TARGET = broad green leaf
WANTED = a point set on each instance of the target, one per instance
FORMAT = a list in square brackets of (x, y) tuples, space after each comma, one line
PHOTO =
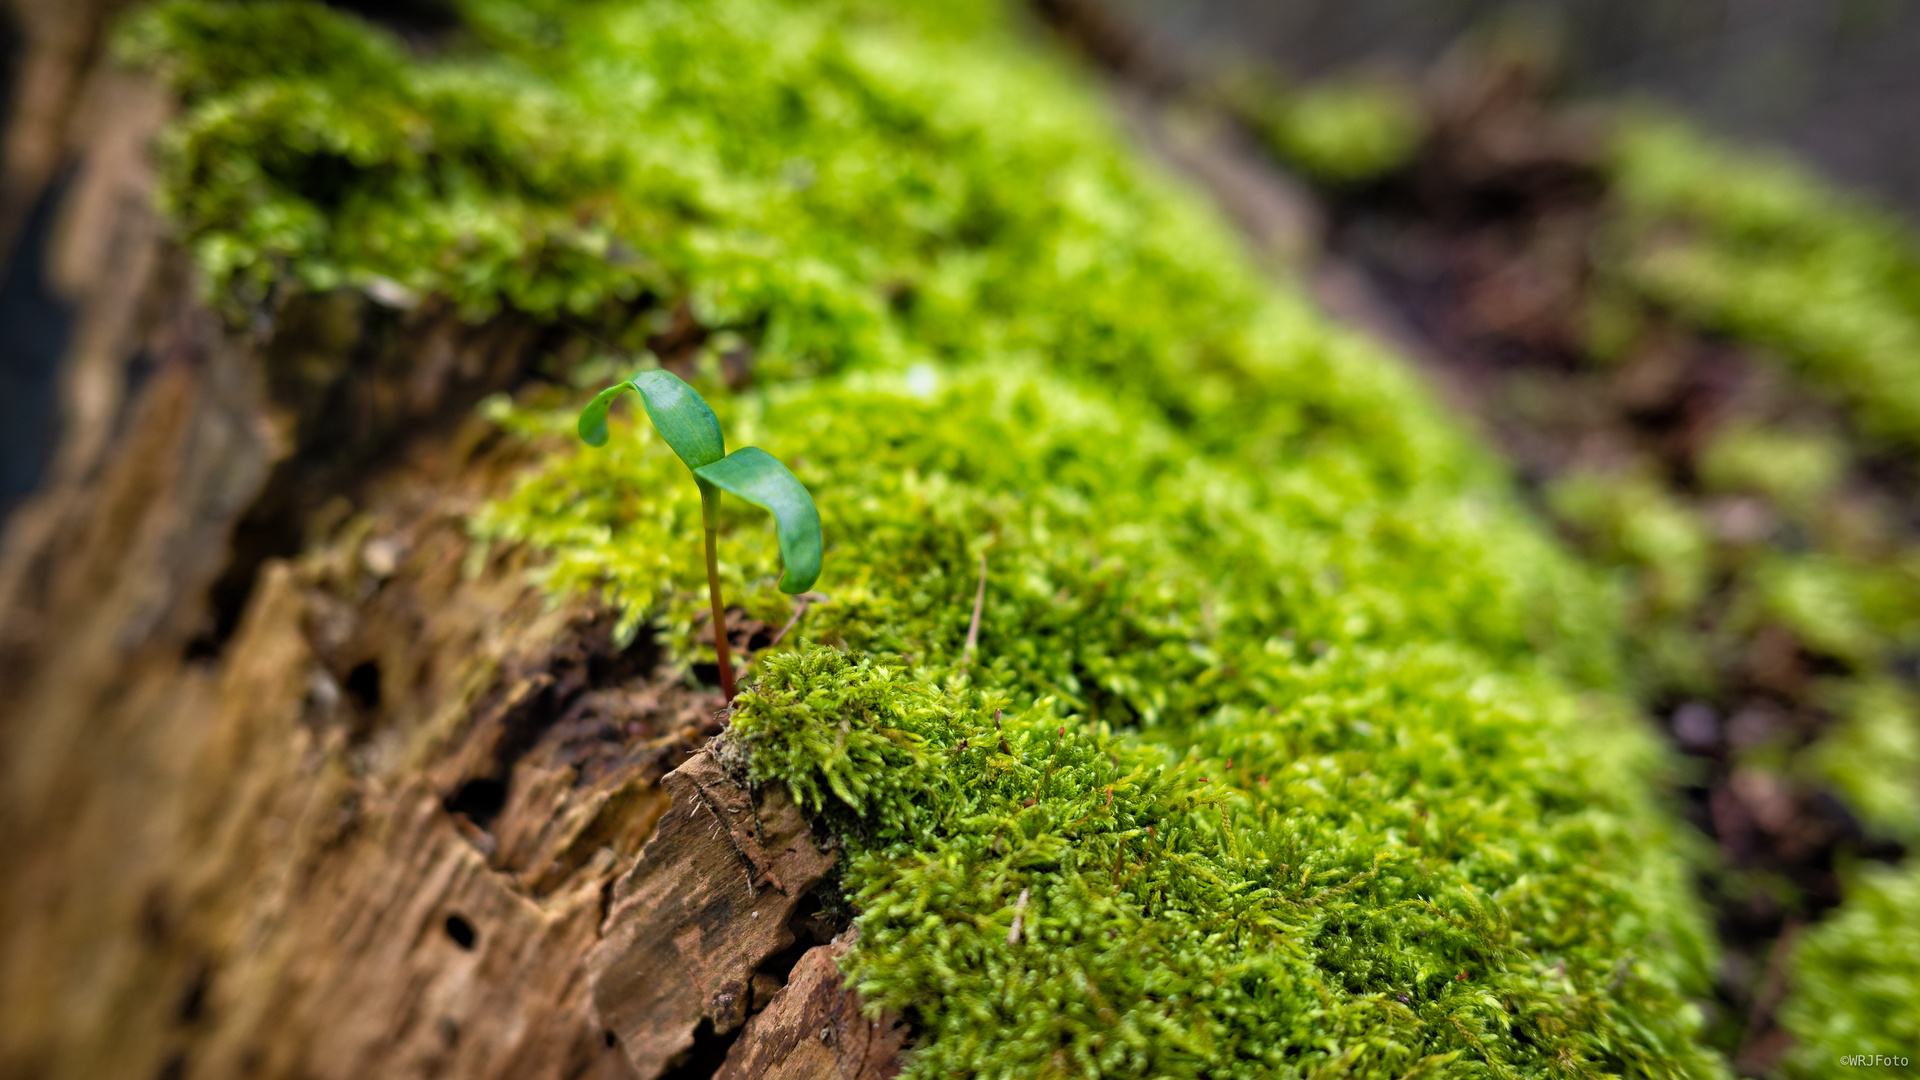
[(758, 477), (682, 417), (677, 410)]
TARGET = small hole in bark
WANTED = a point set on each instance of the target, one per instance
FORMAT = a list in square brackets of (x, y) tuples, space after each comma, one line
[(781, 964), (480, 799), (363, 684), (612, 1040), (461, 931)]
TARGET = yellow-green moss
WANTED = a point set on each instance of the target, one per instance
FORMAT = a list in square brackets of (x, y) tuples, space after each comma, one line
[(1310, 764)]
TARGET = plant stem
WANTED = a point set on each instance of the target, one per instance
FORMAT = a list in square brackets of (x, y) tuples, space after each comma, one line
[(720, 646), (710, 517)]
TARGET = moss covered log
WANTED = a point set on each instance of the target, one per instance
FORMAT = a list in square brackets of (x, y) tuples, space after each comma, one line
[(1289, 746)]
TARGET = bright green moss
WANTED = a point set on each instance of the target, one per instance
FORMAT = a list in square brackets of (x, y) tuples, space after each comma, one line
[(1341, 896), (858, 201), (1350, 654), (1225, 543), (1755, 246), (1128, 560), (1859, 988)]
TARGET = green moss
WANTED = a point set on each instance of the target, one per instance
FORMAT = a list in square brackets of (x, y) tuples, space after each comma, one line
[(1314, 726), (1755, 246), (1858, 992), (1831, 605), (1043, 896), (1873, 755), (1131, 564), (1793, 469), (1632, 520)]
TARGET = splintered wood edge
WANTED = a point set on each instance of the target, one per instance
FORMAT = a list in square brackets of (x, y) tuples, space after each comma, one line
[(705, 906), (813, 1029)]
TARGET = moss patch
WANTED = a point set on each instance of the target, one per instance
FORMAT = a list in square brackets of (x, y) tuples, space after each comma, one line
[(1043, 896), (1860, 977)]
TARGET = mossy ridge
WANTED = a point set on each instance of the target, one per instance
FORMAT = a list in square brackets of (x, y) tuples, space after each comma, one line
[(1272, 477)]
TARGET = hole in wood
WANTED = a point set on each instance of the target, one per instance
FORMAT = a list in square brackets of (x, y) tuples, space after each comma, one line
[(462, 932), (363, 684), (705, 1056), (480, 799)]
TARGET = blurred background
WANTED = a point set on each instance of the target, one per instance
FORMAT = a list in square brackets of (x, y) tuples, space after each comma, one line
[(1834, 80)]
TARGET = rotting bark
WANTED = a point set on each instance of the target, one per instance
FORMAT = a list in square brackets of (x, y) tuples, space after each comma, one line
[(294, 781), (814, 1027), (724, 858)]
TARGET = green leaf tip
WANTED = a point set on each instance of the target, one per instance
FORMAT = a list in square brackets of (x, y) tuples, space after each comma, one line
[(677, 410), (593, 418), (758, 477)]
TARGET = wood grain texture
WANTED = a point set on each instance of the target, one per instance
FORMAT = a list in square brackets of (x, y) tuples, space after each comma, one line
[(708, 904), (813, 1029)]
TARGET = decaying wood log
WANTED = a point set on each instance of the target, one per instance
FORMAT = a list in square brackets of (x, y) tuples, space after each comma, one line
[(294, 780)]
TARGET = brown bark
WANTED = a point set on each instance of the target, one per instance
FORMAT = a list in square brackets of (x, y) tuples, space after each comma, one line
[(720, 859), (815, 1027), (294, 779)]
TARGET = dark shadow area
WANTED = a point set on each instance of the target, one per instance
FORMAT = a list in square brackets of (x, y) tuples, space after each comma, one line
[(35, 326)]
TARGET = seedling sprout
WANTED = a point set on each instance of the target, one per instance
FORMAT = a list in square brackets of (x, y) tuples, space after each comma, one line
[(687, 423)]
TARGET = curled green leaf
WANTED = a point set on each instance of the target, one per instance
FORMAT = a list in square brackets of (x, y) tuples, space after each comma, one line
[(758, 477), (677, 410), (593, 418)]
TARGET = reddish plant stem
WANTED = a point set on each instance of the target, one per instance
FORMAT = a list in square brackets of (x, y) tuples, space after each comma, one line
[(720, 647)]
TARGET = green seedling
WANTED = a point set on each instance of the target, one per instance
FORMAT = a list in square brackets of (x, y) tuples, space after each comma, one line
[(684, 419)]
